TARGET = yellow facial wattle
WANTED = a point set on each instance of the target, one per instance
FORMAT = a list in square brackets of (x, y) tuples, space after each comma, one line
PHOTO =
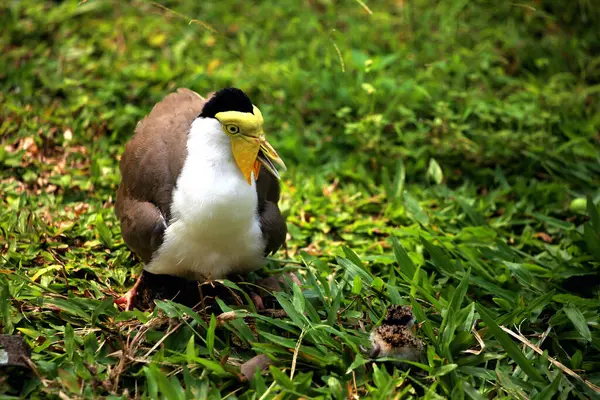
[(248, 142)]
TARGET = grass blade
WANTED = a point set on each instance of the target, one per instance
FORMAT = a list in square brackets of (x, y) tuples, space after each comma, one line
[(578, 321), (509, 346), (404, 261), (210, 335)]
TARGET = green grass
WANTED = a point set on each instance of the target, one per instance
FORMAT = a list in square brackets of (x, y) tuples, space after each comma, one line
[(444, 154)]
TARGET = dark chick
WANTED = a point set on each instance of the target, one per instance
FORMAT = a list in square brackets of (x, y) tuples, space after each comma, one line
[(394, 337)]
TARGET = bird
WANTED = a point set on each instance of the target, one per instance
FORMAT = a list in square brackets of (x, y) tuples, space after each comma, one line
[(199, 190), (394, 338)]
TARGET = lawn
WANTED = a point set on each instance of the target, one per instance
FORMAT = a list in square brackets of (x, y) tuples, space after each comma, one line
[(441, 154)]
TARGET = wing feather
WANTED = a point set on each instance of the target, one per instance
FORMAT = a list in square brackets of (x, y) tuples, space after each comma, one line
[(272, 223), (150, 166)]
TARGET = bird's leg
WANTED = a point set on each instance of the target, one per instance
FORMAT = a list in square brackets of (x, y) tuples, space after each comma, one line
[(257, 300), (276, 283), (254, 296), (127, 301)]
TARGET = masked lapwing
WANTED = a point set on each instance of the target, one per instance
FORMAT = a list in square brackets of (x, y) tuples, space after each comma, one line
[(199, 190)]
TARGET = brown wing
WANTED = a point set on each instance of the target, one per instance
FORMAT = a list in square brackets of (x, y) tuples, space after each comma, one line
[(272, 223), (150, 165)]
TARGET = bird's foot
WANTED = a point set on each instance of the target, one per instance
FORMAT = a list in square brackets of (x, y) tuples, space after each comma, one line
[(127, 301), (257, 300)]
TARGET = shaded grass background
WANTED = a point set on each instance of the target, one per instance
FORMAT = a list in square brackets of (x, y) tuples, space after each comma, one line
[(425, 140)]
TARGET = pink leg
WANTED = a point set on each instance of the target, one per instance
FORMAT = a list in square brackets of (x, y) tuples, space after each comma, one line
[(257, 300), (127, 301)]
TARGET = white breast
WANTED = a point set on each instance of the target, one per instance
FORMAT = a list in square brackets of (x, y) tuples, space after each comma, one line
[(214, 228)]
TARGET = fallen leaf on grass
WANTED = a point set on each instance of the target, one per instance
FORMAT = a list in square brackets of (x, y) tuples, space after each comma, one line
[(544, 236), (257, 363)]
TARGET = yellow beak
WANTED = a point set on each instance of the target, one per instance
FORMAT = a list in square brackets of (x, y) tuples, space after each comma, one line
[(250, 152)]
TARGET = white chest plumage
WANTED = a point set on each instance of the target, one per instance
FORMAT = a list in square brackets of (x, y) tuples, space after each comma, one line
[(214, 228)]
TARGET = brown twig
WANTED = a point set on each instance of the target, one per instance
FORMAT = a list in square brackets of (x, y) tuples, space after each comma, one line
[(197, 21), (169, 333), (295, 357), (557, 364), (479, 340)]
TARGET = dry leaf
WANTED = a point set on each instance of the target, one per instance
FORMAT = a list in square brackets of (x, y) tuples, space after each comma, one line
[(257, 363), (544, 236)]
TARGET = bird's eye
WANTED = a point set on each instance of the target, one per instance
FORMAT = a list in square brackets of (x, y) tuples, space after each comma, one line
[(233, 129)]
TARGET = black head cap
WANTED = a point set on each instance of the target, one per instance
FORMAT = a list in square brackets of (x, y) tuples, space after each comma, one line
[(229, 99), (399, 315)]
